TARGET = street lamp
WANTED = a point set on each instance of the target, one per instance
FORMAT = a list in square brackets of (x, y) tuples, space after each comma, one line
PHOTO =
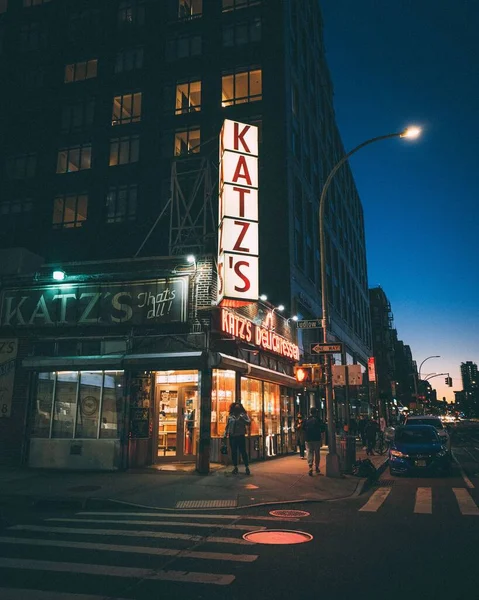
[(419, 372), (332, 459)]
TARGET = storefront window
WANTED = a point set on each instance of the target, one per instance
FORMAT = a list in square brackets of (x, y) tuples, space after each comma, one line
[(65, 404), (222, 395), (97, 392), (271, 418), (251, 398), (112, 405)]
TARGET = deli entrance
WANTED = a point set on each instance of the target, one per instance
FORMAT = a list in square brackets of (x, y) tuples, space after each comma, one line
[(176, 416)]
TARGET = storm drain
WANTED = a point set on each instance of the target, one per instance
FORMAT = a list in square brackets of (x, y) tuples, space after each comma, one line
[(278, 537), (384, 482), (289, 513), (85, 488), (206, 503)]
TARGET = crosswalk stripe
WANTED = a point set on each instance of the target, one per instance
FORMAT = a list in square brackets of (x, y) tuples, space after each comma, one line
[(423, 503), (112, 571), (181, 515), (165, 523), (376, 500), (128, 533), (467, 506), (24, 594), (154, 551)]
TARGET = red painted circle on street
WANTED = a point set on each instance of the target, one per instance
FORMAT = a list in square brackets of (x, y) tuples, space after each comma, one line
[(289, 513), (278, 536)]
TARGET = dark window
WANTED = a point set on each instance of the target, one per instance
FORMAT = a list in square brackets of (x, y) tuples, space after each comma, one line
[(124, 150), (74, 158), (3, 6), (241, 87), (126, 109), (84, 23), (190, 9), (121, 203), (29, 3), (16, 214), (78, 116), (32, 36), (131, 13), (183, 46), (81, 71), (237, 4), (129, 60), (30, 78), (21, 166), (70, 210), (239, 34)]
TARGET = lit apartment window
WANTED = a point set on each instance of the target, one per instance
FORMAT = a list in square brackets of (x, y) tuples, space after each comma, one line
[(124, 150), (129, 60), (240, 34), (81, 71), (131, 13), (187, 142), (29, 3), (188, 97), (183, 46), (190, 9), (241, 87), (236, 4), (3, 6), (78, 116), (121, 203), (126, 109), (74, 158), (70, 210), (21, 166)]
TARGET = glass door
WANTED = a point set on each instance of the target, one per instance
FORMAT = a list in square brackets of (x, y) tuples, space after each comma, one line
[(167, 401), (190, 412), (178, 421)]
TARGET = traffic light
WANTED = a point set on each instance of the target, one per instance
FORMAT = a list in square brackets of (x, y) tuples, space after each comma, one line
[(449, 383), (304, 374), (446, 380)]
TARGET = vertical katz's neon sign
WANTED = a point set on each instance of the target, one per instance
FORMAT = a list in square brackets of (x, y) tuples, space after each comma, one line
[(238, 252)]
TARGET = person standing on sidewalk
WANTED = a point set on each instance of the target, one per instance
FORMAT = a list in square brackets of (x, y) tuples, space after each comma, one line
[(370, 431), (313, 428), (238, 420), (298, 427)]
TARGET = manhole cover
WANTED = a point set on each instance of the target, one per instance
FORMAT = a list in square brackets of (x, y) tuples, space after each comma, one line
[(289, 513), (85, 488), (278, 536)]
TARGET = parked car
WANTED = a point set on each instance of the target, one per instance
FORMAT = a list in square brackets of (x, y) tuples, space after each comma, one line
[(418, 449), (434, 422)]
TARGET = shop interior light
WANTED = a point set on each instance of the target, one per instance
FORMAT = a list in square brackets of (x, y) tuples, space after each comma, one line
[(58, 275)]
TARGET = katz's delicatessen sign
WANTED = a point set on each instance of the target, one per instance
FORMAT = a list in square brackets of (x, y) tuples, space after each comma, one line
[(238, 252)]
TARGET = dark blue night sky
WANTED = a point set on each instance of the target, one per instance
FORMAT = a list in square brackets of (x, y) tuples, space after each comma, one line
[(400, 62)]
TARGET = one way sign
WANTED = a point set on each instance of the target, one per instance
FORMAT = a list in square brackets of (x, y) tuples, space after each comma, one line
[(326, 348)]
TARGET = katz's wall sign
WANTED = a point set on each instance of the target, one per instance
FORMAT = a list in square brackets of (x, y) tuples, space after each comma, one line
[(264, 338), (238, 252), (136, 303)]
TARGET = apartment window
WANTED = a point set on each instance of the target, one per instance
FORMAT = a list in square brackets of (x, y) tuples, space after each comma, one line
[(74, 158), (188, 97), (3, 6), (187, 142), (237, 4), (241, 87), (15, 213), (30, 78), (129, 60), (70, 210), (121, 203), (78, 116), (21, 166), (81, 70), (239, 34), (84, 23), (29, 3), (124, 150), (190, 9), (126, 109), (183, 46), (32, 36), (131, 13)]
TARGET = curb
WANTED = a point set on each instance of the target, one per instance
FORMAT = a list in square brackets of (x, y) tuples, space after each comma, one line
[(366, 483)]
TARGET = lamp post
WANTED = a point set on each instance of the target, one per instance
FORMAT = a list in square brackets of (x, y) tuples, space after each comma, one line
[(420, 366), (332, 459)]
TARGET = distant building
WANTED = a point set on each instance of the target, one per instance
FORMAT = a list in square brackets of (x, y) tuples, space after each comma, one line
[(470, 385)]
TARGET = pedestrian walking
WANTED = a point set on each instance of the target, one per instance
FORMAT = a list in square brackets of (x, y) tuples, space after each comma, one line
[(298, 427), (313, 428), (370, 432), (361, 430), (236, 426)]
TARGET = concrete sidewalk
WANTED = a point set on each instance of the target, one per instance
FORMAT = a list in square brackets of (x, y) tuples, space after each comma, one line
[(282, 480)]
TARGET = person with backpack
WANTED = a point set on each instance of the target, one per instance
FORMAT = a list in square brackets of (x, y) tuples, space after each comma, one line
[(238, 420), (313, 429)]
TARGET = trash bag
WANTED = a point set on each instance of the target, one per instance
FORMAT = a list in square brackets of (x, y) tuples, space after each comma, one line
[(364, 468)]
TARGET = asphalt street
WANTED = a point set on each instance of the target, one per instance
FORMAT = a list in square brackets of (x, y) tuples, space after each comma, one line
[(405, 537)]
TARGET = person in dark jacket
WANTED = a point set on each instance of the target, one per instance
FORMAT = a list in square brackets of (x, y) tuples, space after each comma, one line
[(361, 427), (313, 429), (370, 432), (298, 427), (236, 427)]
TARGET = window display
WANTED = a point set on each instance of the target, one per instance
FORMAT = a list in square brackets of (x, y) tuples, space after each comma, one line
[(222, 395), (252, 399)]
